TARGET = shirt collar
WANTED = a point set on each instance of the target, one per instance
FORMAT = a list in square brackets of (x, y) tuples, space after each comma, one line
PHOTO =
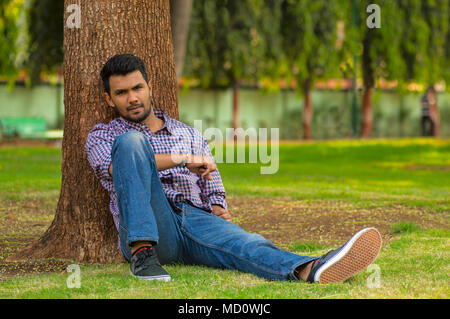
[(168, 121)]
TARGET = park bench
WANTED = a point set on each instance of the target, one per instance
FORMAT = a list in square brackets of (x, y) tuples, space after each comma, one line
[(26, 127)]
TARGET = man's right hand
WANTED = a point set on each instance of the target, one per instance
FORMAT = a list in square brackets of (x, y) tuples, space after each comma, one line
[(201, 165)]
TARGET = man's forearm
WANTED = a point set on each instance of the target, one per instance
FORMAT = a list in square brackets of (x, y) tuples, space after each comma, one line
[(166, 161)]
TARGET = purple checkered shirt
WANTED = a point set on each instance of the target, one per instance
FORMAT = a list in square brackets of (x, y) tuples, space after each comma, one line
[(179, 183)]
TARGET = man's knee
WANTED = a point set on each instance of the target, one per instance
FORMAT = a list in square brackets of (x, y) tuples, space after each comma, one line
[(131, 140), (130, 137), (132, 143)]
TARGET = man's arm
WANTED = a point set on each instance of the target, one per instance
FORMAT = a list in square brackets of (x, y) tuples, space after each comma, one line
[(213, 188), (201, 165), (98, 150)]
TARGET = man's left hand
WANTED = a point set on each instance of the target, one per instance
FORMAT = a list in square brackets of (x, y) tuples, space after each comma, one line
[(221, 212)]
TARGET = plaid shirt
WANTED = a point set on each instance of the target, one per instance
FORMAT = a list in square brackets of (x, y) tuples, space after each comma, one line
[(179, 183)]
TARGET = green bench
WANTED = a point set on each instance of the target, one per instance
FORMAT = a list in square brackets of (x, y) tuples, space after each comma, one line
[(23, 127)]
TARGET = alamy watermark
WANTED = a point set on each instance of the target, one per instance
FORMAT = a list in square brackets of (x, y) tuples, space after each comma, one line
[(374, 280), (374, 19), (256, 143), (74, 280), (73, 21)]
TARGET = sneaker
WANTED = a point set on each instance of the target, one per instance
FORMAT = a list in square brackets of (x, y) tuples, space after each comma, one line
[(145, 265), (339, 264)]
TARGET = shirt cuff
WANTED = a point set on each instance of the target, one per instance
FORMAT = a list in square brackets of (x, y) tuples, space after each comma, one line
[(216, 199)]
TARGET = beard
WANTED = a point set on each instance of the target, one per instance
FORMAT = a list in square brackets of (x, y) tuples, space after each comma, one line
[(141, 117)]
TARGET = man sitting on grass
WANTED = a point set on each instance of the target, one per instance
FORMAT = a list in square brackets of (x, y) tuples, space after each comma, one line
[(170, 206)]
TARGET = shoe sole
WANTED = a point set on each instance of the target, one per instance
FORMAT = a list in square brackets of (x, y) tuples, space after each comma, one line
[(160, 278), (356, 255)]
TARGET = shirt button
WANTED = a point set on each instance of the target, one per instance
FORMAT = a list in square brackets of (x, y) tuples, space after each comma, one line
[(176, 184)]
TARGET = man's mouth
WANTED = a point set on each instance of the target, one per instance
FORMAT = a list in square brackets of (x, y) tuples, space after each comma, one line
[(134, 108)]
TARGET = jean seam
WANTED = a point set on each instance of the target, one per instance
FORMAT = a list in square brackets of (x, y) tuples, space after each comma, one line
[(144, 238), (124, 198), (231, 253), (183, 214)]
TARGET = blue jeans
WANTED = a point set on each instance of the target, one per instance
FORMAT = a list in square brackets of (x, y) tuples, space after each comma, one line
[(187, 234)]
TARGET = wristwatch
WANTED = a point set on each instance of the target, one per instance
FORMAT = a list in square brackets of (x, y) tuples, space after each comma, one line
[(185, 159)]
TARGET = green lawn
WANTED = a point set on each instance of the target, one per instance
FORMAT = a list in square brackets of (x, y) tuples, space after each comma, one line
[(375, 174)]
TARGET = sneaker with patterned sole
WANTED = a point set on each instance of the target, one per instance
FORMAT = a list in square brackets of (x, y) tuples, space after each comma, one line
[(339, 264), (145, 265)]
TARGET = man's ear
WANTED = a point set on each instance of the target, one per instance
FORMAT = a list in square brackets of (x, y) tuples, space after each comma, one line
[(150, 87), (108, 99)]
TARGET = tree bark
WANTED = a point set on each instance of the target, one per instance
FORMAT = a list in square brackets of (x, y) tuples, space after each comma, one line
[(180, 13), (83, 228), (369, 84), (366, 119), (307, 110)]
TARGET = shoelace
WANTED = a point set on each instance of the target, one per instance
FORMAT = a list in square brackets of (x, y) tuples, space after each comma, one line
[(142, 253)]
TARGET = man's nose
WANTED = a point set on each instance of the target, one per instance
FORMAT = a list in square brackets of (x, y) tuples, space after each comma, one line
[(132, 98)]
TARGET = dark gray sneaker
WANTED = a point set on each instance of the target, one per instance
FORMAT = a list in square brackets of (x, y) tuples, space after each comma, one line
[(339, 264), (145, 265)]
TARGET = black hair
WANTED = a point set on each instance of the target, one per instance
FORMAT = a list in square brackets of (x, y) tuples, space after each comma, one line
[(122, 64)]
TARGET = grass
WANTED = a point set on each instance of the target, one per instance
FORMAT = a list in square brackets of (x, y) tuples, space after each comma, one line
[(415, 173), (405, 227), (414, 265), (368, 174)]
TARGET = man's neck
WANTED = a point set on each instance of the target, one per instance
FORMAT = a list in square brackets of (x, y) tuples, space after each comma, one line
[(153, 122)]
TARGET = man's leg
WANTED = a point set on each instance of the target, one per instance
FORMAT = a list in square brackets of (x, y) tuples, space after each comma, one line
[(145, 213), (423, 124), (215, 242)]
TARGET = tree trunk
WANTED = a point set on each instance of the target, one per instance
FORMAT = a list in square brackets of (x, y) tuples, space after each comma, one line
[(180, 13), (83, 228), (369, 83), (366, 120), (307, 110)]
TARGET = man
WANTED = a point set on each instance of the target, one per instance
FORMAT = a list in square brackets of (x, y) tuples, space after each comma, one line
[(168, 200), (430, 113)]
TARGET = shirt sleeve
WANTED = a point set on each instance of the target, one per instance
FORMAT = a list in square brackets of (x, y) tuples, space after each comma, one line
[(214, 188), (98, 148)]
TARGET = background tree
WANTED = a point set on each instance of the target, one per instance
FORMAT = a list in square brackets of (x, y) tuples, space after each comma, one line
[(224, 46), (380, 56), (436, 16), (180, 13), (9, 12), (83, 229), (309, 37), (45, 52)]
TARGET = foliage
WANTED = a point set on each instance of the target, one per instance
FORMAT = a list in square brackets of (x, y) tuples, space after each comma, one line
[(436, 14), (9, 12), (379, 51), (254, 40), (224, 43), (309, 38), (46, 37), (409, 46), (424, 36)]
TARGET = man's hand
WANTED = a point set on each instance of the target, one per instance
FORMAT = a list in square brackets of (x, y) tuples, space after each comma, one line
[(201, 165), (221, 212)]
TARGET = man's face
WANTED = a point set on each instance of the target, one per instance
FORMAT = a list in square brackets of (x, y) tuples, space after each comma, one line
[(130, 95)]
